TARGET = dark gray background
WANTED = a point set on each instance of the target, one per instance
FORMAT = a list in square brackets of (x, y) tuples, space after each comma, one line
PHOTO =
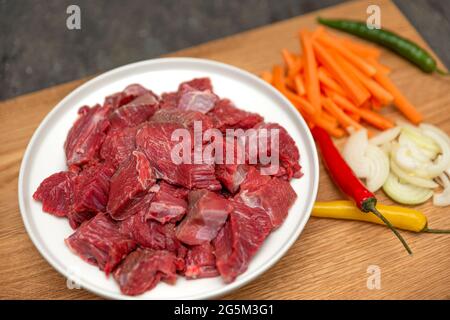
[(37, 50)]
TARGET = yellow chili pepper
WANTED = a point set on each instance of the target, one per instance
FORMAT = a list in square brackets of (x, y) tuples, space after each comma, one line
[(400, 217)]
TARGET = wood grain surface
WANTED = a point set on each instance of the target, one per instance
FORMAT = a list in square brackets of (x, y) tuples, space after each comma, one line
[(329, 260)]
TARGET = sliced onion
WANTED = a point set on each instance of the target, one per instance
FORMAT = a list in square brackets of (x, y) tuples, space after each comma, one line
[(422, 141), (414, 180), (404, 192), (405, 140), (353, 153), (442, 162), (430, 127), (443, 199), (378, 168), (385, 136)]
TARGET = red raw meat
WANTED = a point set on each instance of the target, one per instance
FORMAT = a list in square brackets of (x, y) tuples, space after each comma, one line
[(100, 243), (288, 151), (201, 262), (144, 268), (201, 84), (155, 140), (274, 195), (87, 135), (92, 188), (56, 193), (129, 184), (239, 240), (134, 112), (225, 115), (184, 118), (207, 213), (169, 203), (190, 98), (118, 146), (169, 100), (121, 98)]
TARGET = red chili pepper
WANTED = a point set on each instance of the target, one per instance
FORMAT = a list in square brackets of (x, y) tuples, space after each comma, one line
[(346, 180)]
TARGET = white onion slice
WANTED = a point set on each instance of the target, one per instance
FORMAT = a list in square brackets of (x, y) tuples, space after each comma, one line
[(354, 153), (378, 168), (385, 136), (442, 162), (443, 199), (414, 180), (404, 192)]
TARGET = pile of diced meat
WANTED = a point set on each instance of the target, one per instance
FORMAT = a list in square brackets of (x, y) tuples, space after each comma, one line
[(144, 219)]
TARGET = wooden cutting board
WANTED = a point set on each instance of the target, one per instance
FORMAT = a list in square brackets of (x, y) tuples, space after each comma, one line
[(330, 259)]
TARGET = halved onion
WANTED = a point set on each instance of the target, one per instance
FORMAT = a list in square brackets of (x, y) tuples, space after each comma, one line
[(353, 153), (404, 192), (409, 178), (378, 163), (385, 136)]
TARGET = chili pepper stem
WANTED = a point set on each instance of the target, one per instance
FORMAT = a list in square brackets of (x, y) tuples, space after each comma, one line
[(442, 72), (435, 230), (371, 207)]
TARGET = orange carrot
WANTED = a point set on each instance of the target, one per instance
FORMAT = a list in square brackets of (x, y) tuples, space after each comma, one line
[(329, 127), (369, 116), (290, 83), (311, 79), (324, 114), (400, 101), (298, 66), (326, 79), (288, 59), (352, 88), (360, 49), (300, 87), (279, 82), (376, 105), (378, 66), (343, 119), (372, 86), (357, 61), (267, 76)]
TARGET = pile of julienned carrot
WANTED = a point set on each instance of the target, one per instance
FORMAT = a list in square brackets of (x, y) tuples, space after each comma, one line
[(338, 84)]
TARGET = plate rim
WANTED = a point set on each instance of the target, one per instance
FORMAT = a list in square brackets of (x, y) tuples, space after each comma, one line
[(227, 288)]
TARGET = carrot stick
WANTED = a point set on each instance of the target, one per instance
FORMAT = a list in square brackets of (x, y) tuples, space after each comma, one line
[(267, 76), (288, 59), (326, 79), (360, 49), (290, 83), (300, 87), (297, 68), (400, 101), (374, 88), (311, 79), (378, 66), (369, 116), (343, 119), (352, 89), (357, 61), (376, 105), (329, 118), (329, 127), (279, 82)]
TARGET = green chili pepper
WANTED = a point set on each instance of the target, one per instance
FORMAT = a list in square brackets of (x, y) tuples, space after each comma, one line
[(403, 47)]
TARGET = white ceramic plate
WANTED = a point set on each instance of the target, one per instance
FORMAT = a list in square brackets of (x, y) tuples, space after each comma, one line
[(45, 155)]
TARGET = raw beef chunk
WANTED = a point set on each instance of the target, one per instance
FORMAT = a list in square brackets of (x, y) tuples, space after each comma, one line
[(144, 268), (190, 98), (56, 193), (240, 238), (207, 213), (100, 243), (152, 234), (134, 112), (118, 146), (200, 262), (225, 115), (274, 195), (129, 184), (184, 118), (92, 188), (169, 100), (168, 205), (155, 140), (201, 84), (288, 152), (131, 92), (87, 135)]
